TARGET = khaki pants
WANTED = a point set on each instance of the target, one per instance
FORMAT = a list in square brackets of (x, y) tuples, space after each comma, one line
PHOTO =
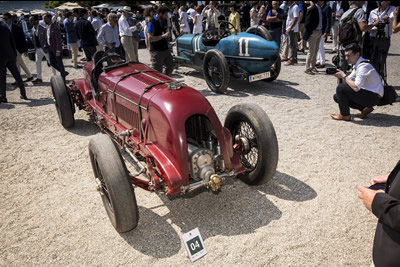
[(136, 48), (127, 43), (313, 45), (290, 48), (21, 64), (302, 43), (75, 51)]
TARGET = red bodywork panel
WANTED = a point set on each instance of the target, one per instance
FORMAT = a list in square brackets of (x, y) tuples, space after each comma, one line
[(164, 113)]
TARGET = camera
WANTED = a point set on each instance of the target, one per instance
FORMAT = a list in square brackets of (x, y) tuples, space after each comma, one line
[(331, 71)]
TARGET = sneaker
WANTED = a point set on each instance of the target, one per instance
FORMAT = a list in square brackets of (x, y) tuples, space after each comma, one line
[(29, 79), (284, 59), (24, 97)]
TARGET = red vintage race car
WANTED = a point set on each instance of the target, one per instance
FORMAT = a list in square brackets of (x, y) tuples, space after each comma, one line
[(167, 132)]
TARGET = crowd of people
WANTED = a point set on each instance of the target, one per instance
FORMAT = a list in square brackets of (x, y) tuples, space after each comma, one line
[(360, 31)]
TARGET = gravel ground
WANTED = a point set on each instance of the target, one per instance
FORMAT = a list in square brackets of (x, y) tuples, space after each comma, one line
[(309, 214)]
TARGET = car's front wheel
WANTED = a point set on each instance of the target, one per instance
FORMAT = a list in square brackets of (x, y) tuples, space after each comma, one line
[(113, 183), (216, 71), (254, 135)]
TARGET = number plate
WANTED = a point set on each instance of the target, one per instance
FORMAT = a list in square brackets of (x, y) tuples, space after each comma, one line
[(260, 76), (194, 244)]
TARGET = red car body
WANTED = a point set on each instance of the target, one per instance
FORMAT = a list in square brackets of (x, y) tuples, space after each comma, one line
[(164, 113)]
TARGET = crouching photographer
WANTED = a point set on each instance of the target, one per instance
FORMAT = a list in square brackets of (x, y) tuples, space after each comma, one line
[(361, 90)]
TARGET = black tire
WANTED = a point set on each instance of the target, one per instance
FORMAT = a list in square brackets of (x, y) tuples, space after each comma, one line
[(275, 70), (250, 121), (63, 102), (118, 195), (260, 31), (216, 71)]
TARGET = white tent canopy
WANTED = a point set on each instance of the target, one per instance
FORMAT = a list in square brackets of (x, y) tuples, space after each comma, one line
[(68, 5)]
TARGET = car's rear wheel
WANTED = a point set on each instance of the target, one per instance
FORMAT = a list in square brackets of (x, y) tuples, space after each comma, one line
[(216, 71), (275, 70), (63, 103), (253, 131), (113, 183)]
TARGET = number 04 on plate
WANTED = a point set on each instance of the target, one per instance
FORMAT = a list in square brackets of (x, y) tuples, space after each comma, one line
[(194, 244)]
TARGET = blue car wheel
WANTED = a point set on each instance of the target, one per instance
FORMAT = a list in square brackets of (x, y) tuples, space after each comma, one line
[(216, 71)]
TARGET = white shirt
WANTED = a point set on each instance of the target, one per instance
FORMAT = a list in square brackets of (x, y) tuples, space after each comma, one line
[(254, 21), (339, 9), (366, 77), (124, 29), (96, 23), (198, 26), (184, 20), (292, 14), (375, 14), (191, 13)]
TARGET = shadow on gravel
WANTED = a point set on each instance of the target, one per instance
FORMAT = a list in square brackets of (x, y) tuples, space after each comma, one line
[(35, 102), (287, 187), (84, 128), (277, 88), (238, 210), (379, 120), (241, 88), (6, 106)]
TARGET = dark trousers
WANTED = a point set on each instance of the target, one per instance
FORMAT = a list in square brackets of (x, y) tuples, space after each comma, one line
[(276, 35), (190, 21), (347, 98), (89, 52), (57, 62), (379, 53), (12, 67), (292, 42), (161, 58)]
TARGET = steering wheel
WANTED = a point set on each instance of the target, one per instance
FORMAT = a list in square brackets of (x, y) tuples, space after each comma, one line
[(110, 59), (227, 31)]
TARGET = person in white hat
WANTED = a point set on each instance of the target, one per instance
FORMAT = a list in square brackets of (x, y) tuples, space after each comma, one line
[(125, 31)]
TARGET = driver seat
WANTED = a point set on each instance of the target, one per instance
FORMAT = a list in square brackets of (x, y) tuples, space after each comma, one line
[(97, 70), (211, 37)]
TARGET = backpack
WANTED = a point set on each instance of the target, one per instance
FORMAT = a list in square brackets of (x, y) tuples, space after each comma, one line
[(349, 31), (389, 93)]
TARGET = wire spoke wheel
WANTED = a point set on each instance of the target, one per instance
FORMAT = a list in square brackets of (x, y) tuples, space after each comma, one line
[(253, 131), (249, 158)]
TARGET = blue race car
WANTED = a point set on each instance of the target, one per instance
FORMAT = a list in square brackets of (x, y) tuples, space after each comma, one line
[(251, 55)]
